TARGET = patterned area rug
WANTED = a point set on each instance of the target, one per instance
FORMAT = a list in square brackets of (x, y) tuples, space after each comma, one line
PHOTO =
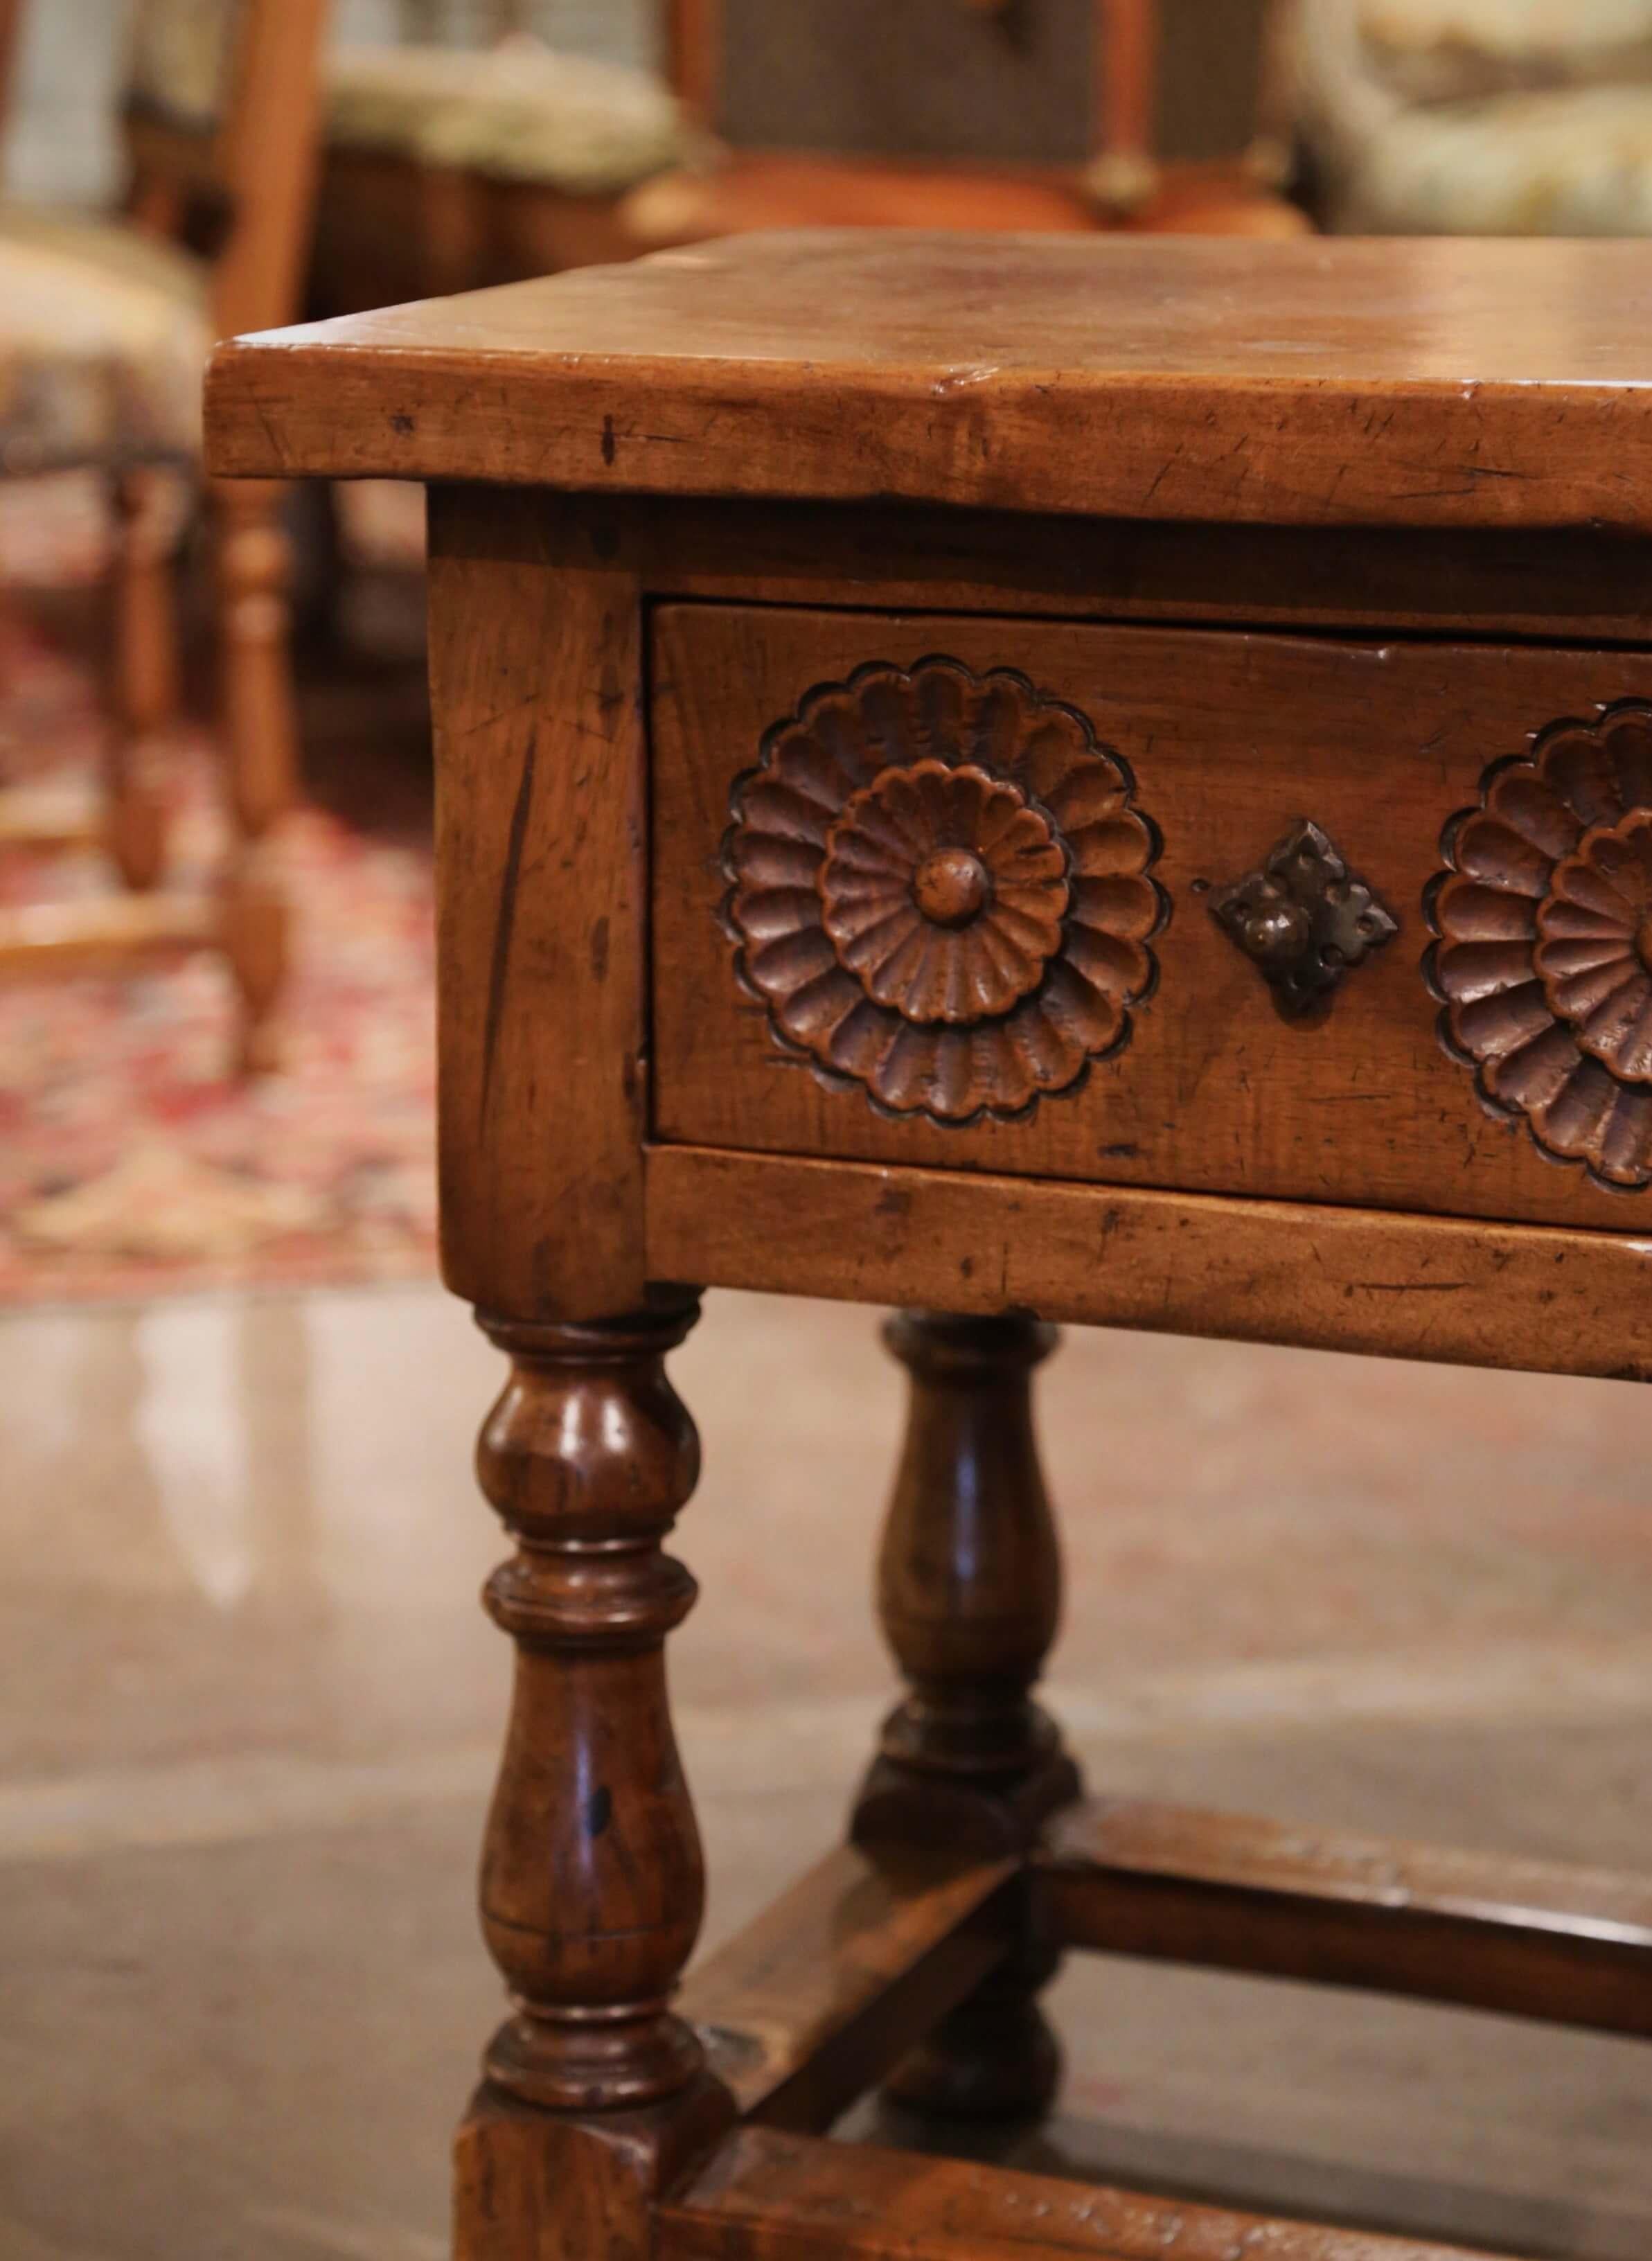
[(131, 1161)]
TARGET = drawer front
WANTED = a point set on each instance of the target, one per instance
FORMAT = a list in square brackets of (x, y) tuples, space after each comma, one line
[(1035, 898)]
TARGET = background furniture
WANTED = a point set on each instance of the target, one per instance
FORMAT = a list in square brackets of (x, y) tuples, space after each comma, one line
[(969, 777), (455, 159), (104, 328), (1472, 118), (968, 113), (446, 169)]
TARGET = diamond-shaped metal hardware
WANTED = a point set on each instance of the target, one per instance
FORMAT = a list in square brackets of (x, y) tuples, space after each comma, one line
[(1304, 920)]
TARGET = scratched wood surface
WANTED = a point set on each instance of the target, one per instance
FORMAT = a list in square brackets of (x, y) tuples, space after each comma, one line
[(534, 669), (1230, 739), (770, 2196), (833, 1983), (1573, 587), (1527, 1938), (1421, 383), (1281, 1271)]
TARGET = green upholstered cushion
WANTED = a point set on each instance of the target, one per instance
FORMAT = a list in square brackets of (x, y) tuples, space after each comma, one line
[(1463, 50), (103, 337), (520, 111), (182, 56), (1479, 117)]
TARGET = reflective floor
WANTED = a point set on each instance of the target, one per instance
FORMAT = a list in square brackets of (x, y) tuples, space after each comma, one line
[(248, 1712)]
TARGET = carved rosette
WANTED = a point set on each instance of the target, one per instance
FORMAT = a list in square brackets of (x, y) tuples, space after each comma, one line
[(939, 887), (1544, 955)]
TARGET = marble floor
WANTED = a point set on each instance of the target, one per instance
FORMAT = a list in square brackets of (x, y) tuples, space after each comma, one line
[(248, 1712)]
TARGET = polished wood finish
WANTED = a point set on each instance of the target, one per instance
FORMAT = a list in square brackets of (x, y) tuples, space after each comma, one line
[(641, 603), (969, 1596), (245, 182), (836, 1982), (1104, 379), (1324, 1278), (535, 663), (591, 1878), (768, 2197), (1194, 1079), (588, 1456), (1529, 1938), (1569, 586)]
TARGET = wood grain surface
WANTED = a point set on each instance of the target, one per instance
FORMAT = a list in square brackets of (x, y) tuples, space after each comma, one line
[(535, 665), (1532, 1938), (1424, 382), (767, 2197), (1335, 1279), (1230, 739), (813, 2001)]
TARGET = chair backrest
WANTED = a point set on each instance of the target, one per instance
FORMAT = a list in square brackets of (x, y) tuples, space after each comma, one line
[(221, 124), (1057, 81)]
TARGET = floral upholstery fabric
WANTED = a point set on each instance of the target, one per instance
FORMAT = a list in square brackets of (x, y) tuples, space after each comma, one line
[(182, 54), (520, 111), (103, 337), (1479, 117)]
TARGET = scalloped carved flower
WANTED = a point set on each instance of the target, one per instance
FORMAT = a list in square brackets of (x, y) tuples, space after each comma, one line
[(940, 888), (1544, 957)]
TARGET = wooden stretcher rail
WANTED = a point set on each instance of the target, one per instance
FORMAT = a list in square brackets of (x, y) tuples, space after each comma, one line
[(768, 2197), (1538, 1297), (47, 816), (95, 933), (811, 2005), (1529, 1938)]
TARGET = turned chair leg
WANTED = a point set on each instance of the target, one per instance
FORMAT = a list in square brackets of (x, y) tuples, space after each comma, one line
[(260, 731), (143, 700), (969, 1598), (591, 1878)]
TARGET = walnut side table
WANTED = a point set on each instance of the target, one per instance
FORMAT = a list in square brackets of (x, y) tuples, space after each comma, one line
[(1035, 780)]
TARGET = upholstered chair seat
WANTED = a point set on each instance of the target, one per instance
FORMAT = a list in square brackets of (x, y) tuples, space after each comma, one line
[(1480, 116), (518, 111), (104, 338)]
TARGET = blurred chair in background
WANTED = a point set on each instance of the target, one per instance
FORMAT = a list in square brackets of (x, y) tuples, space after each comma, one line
[(969, 113), (478, 151), (1477, 117), (450, 169), (104, 330)]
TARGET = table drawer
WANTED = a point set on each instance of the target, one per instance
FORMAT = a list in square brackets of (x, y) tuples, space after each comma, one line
[(968, 894)]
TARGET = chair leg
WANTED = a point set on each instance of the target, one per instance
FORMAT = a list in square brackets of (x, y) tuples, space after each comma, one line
[(260, 724), (969, 1596), (143, 700)]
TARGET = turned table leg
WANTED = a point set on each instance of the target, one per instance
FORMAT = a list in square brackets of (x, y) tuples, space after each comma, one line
[(969, 1598), (591, 1878)]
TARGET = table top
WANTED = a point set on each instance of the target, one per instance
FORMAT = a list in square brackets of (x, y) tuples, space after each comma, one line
[(1417, 382)]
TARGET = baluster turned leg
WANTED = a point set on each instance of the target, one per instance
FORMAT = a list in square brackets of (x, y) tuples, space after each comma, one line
[(969, 1596), (261, 733), (591, 1878)]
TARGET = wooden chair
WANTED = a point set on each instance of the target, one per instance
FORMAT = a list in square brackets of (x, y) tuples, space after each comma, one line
[(1047, 114), (104, 328)]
